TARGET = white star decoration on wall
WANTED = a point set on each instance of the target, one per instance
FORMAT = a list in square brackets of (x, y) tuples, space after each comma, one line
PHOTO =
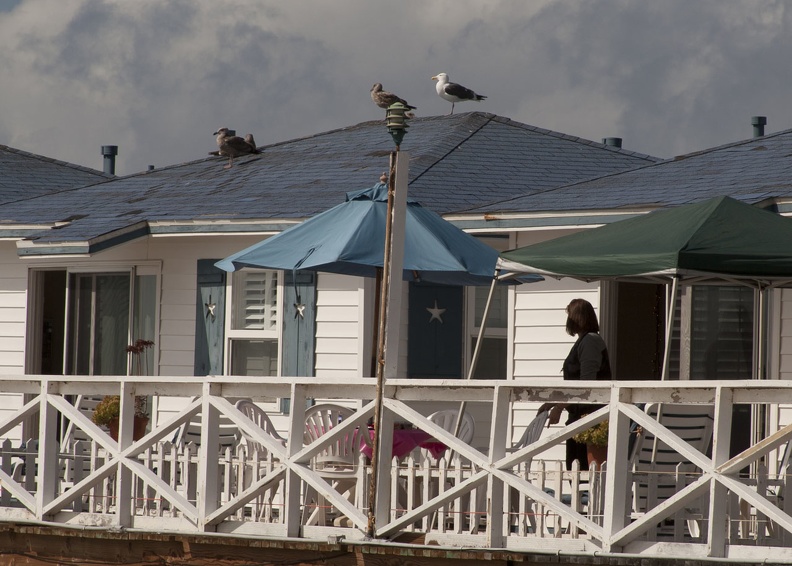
[(210, 308), (299, 310), (436, 313)]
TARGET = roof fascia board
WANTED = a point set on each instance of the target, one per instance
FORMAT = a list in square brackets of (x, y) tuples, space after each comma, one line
[(522, 223)]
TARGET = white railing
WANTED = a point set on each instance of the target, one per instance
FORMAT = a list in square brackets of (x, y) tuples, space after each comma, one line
[(486, 496)]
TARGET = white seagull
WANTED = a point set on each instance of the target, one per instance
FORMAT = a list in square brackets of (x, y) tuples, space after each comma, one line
[(233, 146), (453, 92)]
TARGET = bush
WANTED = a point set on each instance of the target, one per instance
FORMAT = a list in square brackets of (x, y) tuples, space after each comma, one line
[(596, 435), (109, 408)]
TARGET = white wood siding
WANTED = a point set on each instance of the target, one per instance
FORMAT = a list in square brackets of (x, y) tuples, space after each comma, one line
[(339, 323), (13, 304)]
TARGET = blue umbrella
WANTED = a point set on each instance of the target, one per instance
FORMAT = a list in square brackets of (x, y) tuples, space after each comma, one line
[(349, 239)]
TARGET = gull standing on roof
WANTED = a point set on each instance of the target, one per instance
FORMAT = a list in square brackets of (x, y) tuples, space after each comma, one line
[(233, 146), (383, 98), (453, 92)]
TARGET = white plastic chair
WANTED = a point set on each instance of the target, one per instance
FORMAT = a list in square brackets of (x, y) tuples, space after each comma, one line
[(658, 469), (447, 420), (262, 420), (530, 435), (339, 461)]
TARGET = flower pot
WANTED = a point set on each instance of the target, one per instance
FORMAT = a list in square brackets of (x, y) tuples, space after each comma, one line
[(596, 454), (138, 429)]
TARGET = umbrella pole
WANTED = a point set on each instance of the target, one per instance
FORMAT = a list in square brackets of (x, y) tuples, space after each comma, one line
[(670, 310), (389, 311)]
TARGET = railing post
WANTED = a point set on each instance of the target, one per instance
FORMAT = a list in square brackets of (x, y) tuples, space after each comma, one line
[(48, 465), (717, 529), (384, 461), (208, 453), (124, 479), (499, 434), (292, 510), (617, 491)]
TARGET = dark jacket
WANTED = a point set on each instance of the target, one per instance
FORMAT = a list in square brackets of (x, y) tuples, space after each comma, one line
[(587, 360)]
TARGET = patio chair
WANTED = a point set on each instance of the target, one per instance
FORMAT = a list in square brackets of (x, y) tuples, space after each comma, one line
[(521, 506), (447, 420), (259, 458), (340, 462), (659, 471), (262, 420), (71, 433)]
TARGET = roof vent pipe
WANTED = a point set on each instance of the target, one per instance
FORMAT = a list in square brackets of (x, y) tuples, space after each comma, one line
[(758, 123), (613, 142), (109, 152)]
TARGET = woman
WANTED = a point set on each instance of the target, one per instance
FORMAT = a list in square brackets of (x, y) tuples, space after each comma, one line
[(587, 360)]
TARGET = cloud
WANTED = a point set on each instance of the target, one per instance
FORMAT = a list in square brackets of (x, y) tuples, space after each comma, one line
[(157, 78)]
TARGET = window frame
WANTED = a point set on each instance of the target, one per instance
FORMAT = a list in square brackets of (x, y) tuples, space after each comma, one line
[(237, 335)]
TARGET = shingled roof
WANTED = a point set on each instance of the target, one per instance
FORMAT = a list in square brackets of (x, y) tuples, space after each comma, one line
[(753, 170), (456, 162), (24, 175)]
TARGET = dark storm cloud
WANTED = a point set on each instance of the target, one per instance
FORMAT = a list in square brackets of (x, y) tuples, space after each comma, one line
[(156, 78)]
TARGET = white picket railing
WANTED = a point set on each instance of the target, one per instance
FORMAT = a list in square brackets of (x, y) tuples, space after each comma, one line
[(486, 496)]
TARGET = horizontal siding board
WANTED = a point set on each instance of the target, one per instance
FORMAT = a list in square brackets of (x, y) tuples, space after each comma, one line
[(336, 329), (533, 368), (185, 312), (178, 342), (173, 327), (540, 335), (336, 346), (178, 297), (12, 344), (336, 362), (13, 284), (181, 281), (176, 359), (541, 351), (337, 314), (12, 328), (12, 300), (335, 297)]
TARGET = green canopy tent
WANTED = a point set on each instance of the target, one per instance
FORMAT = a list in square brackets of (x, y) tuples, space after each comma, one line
[(717, 240)]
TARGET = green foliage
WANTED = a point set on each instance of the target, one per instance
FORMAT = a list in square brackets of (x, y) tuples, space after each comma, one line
[(596, 435), (109, 408)]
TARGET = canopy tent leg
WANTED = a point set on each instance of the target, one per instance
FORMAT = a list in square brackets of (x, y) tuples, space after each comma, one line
[(477, 349), (670, 311)]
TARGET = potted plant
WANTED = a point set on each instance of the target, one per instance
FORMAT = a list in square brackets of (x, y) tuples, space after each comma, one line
[(108, 410), (596, 441)]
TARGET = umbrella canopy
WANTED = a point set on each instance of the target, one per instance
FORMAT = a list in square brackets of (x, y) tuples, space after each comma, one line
[(349, 239), (720, 238)]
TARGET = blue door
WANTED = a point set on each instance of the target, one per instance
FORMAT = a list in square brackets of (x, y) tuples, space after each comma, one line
[(435, 331), (209, 318)]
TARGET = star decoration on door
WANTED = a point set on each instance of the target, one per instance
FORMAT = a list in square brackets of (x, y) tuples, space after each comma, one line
[(437, 313), (210, 308), (299, 310)]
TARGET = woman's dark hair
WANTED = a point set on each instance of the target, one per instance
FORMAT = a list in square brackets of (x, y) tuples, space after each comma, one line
[(581, 317)]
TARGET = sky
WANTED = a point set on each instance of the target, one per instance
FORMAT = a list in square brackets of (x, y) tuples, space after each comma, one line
[(158, 77)]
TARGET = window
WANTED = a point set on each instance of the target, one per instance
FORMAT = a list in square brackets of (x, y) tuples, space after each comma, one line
[(722, 326), (254, 332), (82, 322), (492, 362)]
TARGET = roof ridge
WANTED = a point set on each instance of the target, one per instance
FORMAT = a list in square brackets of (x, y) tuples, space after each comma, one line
[(487, 119), (568, 137), (706, 151), (24, 153), (728, 145)]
